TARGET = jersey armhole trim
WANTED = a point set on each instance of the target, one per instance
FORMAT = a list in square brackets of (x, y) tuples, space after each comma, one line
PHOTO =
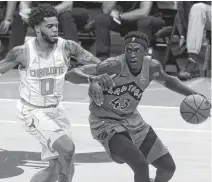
[(27, 56), (67, 62)]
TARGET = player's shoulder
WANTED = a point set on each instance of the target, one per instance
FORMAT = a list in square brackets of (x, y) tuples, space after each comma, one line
[(111, 65), (70, 43), (113, 61), (18, 51)]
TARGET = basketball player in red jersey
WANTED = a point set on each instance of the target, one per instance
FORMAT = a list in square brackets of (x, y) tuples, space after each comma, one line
[(43, 62), (114, 119)]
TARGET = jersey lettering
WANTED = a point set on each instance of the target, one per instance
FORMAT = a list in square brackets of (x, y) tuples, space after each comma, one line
[(130, 88), (47, 86)]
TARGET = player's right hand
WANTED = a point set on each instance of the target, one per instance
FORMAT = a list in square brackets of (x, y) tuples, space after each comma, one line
[(96, 93), (105, 81)]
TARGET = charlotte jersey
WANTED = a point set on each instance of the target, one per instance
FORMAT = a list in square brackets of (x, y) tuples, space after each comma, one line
[(122, 100), (41, 82)]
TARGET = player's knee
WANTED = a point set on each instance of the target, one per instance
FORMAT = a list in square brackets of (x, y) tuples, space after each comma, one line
[(65, 147), (165, 164), (169, 167), (69, 152), (198, 8)]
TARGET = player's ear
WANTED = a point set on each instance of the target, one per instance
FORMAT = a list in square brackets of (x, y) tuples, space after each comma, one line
[(37, 29), (146, 51)]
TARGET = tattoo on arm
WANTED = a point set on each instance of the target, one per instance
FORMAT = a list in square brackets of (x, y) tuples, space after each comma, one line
[(11, 59), (109, 66), (83, 56)]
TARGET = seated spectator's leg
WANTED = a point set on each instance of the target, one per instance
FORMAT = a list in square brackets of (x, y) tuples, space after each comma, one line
[(68, 26), (150, 25), (103, 24), (18, 33), (80, 16), (144, 25), (199, 20), (2, 14)]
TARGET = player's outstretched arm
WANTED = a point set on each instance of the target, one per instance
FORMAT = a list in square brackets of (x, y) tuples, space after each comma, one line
[(158, 74), (103, 73), (97, 75), (73, 49), (12, 59)]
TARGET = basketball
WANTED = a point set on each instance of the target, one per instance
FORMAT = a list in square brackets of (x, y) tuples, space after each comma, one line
[(195, 109)]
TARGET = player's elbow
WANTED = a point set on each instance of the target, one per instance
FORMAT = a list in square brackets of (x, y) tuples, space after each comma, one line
[(75, 77)]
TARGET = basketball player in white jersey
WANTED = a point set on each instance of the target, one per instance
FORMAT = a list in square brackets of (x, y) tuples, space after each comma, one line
[(115, 122), (43, 63)]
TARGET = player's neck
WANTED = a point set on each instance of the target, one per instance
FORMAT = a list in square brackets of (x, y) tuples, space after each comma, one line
[(43, 45), (135, 72)]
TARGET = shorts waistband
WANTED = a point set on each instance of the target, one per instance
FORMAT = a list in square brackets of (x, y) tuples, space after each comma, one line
[(32, 105)]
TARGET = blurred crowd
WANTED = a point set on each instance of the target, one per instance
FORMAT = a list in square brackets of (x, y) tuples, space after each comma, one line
[(162, 21)]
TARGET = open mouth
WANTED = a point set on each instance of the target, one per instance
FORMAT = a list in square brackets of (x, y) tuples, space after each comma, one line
[(133, 61), (54, 36)]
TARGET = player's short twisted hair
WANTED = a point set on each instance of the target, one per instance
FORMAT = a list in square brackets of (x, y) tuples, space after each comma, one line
[(38, 13), (138, 37)]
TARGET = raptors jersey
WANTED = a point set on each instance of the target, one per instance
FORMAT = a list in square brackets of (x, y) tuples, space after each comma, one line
[(41, 82), (122, 100)]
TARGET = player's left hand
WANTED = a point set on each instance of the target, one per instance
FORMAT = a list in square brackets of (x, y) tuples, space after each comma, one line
[(206, 100), (104, 80), (96, 93)]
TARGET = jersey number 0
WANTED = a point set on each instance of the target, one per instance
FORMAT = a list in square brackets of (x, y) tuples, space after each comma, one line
[(47, 86)]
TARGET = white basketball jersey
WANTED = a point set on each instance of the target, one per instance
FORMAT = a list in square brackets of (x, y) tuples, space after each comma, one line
[(42, 81)]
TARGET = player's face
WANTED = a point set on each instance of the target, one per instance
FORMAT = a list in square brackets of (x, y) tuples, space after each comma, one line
[(134, 53), (49, 29)]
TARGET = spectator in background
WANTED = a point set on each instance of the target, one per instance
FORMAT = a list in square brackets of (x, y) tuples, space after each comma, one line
[(183, 18), (199, 20), (7, 9), (70, 21), (123, 17)]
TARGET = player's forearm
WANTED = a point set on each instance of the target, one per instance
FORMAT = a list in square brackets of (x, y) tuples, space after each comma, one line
[(64, 6), (86, 57), (6, 66), (77, 76), (177, 86)]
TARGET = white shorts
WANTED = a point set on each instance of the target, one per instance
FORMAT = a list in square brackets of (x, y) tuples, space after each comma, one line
[(46, 124)]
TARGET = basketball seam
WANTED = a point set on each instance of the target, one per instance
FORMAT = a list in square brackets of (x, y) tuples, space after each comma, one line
[(194, 110)]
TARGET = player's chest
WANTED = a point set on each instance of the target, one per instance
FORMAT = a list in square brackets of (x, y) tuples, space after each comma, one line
[(127, 87), (54, 66)]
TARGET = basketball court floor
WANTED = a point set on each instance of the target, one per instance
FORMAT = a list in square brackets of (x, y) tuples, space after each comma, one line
[(189, 144)]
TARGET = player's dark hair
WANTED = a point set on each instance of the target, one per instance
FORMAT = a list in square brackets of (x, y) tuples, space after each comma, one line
[(40, 12), (137, 34)]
